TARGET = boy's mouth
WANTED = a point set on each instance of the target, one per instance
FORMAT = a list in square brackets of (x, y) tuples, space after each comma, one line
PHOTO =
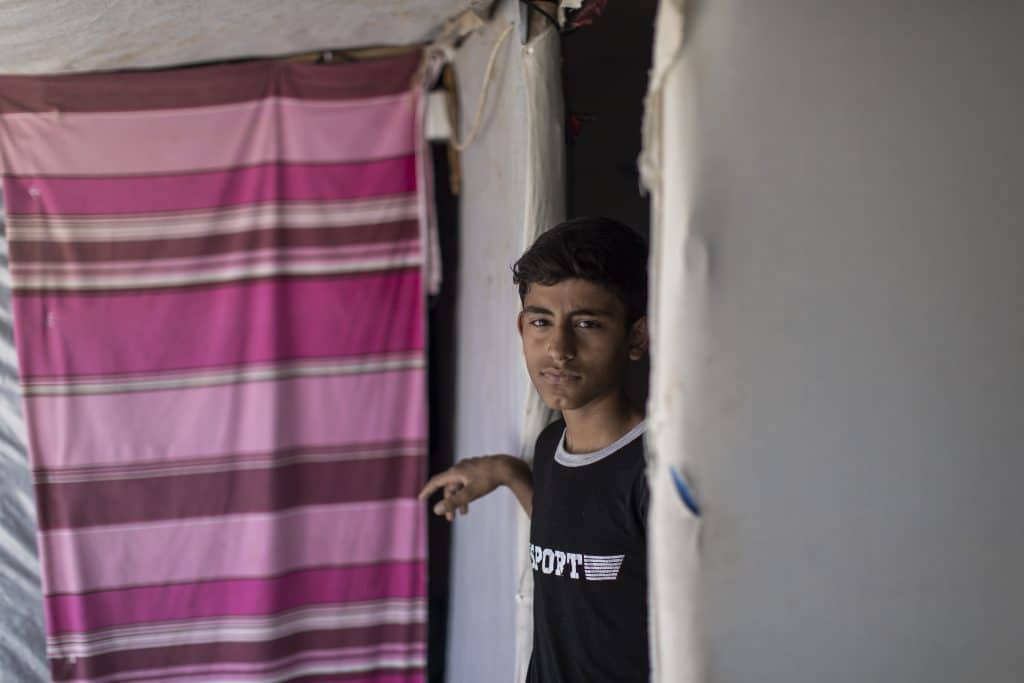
[(554, 376)]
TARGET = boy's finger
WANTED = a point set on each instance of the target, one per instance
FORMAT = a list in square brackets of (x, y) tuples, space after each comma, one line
[(459, 498), (444, 507), (436, 482), (456, 498), (433, 484), (427, 490), (452, 503)]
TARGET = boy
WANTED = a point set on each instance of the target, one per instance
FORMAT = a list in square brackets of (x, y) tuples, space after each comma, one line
[(583, 287)]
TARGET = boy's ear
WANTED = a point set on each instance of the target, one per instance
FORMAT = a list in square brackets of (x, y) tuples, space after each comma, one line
[(519, 323), (638, 339)]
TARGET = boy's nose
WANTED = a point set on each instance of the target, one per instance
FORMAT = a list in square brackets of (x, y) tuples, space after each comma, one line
[(560, 346)]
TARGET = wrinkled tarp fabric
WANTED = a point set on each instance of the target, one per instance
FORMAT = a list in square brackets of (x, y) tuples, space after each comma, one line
[(22, 647), (837, 341), (104, 35), (514, 182), (678, 284), (219, 319)]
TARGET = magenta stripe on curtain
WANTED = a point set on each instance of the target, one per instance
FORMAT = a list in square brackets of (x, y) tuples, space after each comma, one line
[(219, 305)]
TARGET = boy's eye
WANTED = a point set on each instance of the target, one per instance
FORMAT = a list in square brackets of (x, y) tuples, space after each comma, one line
[(539, 322), (588, 324)]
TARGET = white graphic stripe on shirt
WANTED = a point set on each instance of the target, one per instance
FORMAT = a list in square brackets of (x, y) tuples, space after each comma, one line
[(602, 567)]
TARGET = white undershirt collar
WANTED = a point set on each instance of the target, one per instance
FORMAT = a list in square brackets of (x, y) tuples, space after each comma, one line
[(564, 457)]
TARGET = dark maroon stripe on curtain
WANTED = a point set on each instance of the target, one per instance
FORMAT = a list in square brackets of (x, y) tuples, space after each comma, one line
[(179, 192), (227, 460), (125, 661), (249, 596), (85, 504), (205, 86), (252, 240)]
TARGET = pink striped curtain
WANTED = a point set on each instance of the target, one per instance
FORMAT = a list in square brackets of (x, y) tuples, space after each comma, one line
[(218, 301)]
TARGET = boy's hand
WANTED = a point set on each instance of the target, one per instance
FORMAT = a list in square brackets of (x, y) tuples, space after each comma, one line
[(467, 480)]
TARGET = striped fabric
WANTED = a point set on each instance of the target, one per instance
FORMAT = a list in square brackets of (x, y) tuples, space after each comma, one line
[(218, 296)]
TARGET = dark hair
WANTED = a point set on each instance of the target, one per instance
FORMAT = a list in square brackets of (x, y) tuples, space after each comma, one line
[(595, 249)]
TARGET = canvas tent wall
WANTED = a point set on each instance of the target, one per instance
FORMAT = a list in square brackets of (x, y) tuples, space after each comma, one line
[(99, 35), (837, 340), (21, 600)]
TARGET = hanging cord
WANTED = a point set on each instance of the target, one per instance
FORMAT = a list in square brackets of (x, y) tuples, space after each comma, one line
[(488, 72), (532, 5)]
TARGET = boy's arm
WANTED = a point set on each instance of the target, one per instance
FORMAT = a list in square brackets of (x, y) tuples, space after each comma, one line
[(472, 478)]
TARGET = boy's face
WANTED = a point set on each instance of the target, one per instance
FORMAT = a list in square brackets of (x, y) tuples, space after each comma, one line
[(576, 342)]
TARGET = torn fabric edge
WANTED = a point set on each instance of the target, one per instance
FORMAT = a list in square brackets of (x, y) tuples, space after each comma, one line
[(678, 292), (430, 71)]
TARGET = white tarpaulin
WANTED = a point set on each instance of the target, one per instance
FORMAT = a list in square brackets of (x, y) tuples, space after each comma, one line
[(22, 648), (837, 335), (514, 180), (678, 292), (59, 36)]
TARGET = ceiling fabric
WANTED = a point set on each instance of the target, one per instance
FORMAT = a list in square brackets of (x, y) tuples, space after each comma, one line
[(64, 36)]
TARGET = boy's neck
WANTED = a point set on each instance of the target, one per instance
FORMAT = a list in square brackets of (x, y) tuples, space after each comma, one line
[(599, 423)]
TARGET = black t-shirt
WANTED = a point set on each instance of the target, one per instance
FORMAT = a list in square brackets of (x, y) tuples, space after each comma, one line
[(588, 552)]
